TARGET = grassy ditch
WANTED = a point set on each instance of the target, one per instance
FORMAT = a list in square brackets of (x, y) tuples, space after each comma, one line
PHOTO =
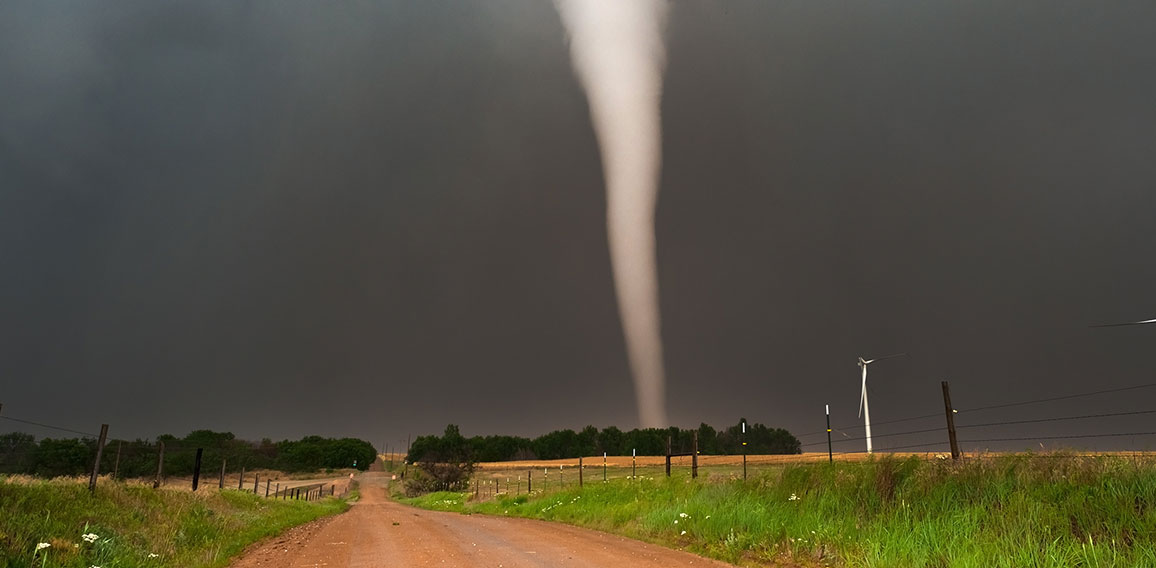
[(1050, 510), (131, 525)]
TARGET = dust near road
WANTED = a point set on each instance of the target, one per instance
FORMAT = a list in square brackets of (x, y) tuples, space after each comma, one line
[(378, 532)]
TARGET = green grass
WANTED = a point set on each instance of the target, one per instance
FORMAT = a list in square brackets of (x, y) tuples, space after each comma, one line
[(133, 521), (1012, 511)]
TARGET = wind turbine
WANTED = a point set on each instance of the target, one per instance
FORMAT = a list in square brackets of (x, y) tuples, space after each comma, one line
[(863, 410), (1123, 324)]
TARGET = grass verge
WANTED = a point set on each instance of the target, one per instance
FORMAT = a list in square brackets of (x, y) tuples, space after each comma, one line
[(137, 526), (1051, 510)]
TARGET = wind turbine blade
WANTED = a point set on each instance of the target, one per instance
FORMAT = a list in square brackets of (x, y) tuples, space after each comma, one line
[(1123, 324), (890, 356)]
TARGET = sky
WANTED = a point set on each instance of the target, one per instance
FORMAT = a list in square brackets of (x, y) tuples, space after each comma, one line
[(374, 219)]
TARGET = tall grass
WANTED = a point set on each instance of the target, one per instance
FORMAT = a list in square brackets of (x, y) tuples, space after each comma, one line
[(1050, 510), (135, 525)]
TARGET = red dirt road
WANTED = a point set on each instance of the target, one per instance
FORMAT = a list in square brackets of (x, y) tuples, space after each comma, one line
[(378, 532)]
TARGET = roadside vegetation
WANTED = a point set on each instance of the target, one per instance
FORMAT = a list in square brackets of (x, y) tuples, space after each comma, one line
[(57, 523), (591, 441), (22, 453), (1049, 510)]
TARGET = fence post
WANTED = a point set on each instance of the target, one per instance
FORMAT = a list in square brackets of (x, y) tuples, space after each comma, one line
[(668, 459), (99, 451), (579, 471), (256, 480), (950, 420), (197, 469), (116, 465), (830, 455), (160, 464), (634, 463), (529, 481), (267, 487), (603, 467), (221, 483), (241, 480), (694, 456), (744, 450), (277, 490)]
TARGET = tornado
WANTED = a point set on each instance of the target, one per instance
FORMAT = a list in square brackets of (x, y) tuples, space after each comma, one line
[(616, 47)]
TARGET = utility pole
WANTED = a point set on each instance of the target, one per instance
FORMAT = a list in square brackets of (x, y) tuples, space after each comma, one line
[(99, 451), (950, 420)]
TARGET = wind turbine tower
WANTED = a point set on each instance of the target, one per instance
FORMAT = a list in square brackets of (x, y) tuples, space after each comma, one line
[(863, 409)]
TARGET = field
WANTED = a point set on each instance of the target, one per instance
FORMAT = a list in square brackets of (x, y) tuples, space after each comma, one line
[(57, 523), (1048, 510)]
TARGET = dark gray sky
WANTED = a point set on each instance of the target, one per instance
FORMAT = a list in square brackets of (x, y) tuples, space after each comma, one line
[(372, 219)]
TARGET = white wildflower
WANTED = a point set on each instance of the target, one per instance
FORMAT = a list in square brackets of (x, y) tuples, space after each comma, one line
[(793, 497), (683, 515), (154, 555), (90, 537), (42, 546), (676, 521), (683, 532)]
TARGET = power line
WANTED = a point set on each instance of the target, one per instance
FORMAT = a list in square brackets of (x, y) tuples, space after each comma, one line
[(1055, 398), (1032, 438), (1058, 419), (885, 422), (48, 426)]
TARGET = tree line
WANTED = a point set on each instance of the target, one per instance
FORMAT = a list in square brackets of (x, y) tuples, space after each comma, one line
[(452, 446), (53, 457)]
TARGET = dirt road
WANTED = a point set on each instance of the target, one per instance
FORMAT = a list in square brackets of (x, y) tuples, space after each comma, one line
[(378, 532)]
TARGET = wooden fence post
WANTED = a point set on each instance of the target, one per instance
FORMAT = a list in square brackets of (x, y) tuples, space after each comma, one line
[(99, 451), (160, 464), (668, 443), (241, 480), (197, 469), (950, 421), (221, 484), (529, 481), (116, 465), (694, 456), (256, 481), (579, 471), (267, 481)]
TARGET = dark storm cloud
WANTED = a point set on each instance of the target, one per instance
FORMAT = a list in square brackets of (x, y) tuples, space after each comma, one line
[(375, 219)]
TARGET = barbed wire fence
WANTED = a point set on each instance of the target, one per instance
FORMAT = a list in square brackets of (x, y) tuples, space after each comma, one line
[(544, 475), (109, 454)]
